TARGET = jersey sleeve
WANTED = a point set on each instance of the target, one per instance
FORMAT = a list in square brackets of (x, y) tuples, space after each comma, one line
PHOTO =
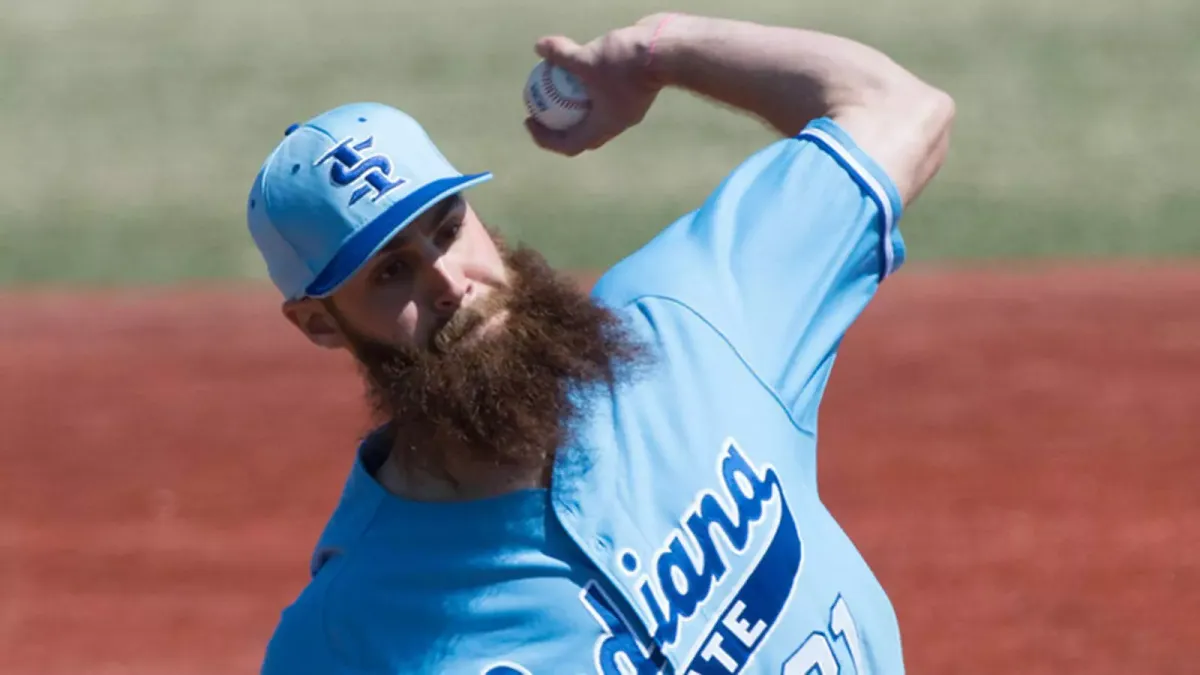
[(781, 257)]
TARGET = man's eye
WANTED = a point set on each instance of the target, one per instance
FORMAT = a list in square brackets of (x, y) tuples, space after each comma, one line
[(448, 233), (392, 270)]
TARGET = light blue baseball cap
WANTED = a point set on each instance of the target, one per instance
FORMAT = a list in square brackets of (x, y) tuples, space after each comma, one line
[(338, 188)]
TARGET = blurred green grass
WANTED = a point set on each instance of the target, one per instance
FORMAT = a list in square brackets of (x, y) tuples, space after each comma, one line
[(134, 127)]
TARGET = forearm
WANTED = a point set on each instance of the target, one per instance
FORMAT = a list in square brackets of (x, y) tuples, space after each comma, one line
[(787, 76)]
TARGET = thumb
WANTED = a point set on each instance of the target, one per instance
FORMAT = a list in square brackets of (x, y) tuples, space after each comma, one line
[(563, 52)]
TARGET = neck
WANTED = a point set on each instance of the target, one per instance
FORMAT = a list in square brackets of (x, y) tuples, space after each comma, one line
[(472, 480)]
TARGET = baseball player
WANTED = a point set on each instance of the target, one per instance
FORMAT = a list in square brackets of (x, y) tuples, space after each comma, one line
[(617, 482)]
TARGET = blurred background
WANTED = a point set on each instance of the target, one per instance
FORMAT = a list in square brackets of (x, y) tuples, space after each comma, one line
[(1011, 434), (136, 126)]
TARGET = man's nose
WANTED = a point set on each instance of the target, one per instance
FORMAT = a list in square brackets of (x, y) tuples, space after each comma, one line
[(447, 285)]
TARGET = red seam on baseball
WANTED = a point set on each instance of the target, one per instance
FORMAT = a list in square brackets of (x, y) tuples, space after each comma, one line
[(552, 91)]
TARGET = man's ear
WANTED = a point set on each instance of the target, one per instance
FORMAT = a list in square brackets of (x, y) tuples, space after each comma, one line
[(314, 320)]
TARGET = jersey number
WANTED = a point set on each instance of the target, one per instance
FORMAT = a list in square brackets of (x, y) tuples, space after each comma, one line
[(815, 656)]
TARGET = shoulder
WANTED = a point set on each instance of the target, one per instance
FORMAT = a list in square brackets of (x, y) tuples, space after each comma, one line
[(820, 174)]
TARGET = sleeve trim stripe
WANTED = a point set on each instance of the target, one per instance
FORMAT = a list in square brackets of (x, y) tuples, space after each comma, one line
[(873, 186)]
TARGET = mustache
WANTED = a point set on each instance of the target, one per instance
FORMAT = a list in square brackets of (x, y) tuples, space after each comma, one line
[(454, 330), (463, 322)]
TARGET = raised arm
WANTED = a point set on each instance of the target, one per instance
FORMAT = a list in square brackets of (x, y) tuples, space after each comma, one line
[(785, 76), (790, 76)]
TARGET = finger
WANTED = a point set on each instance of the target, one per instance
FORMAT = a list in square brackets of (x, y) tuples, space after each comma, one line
[(565, 53), (559, 142), (569, 142), (601, 139)]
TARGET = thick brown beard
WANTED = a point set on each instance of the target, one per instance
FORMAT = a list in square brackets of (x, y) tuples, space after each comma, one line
[(508, 397)]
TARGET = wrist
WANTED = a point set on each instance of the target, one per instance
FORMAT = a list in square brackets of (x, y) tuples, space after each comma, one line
[(657, 46)]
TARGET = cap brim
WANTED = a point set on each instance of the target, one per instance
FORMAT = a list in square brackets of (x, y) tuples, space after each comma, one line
[(365, 243)]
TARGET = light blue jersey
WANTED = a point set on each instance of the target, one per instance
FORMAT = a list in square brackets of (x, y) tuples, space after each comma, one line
[(683, 532)]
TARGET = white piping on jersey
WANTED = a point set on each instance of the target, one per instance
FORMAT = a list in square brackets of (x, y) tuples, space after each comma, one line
[(873, 185)]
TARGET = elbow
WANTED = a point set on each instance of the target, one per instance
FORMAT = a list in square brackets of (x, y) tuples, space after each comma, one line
[(914, 121), (905, 124), (905, 105), (938, 111), (921, 107), (929, 114), (923, 112), (935, 121)]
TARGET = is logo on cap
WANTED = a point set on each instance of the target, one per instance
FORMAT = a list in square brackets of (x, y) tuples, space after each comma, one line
[(350, 165)]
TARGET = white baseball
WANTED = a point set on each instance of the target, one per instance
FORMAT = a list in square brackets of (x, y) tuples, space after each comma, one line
[(555, 97)]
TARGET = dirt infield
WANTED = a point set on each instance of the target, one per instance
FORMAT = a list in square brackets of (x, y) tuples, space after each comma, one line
[(1018, 456)]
